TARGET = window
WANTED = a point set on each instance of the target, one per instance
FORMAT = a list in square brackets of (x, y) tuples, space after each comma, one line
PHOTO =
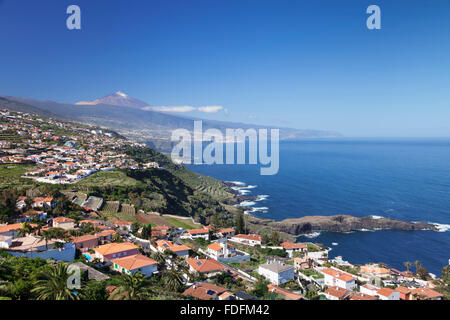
[(210, 292)]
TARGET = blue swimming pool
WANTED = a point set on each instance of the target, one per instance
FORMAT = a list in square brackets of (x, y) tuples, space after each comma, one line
[(87, 256)]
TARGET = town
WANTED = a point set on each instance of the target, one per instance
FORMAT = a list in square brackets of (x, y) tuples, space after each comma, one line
[(125, 252)]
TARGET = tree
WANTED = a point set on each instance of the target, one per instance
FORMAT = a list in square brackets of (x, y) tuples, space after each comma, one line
[(173, 280), (25, 230), (131, 287), (446, 274), (94, 290), (275, 238), (46, 236), (147, 232), (240, 223), (408, 265), (422, 273), (260, 289), (53, 285), (417, 264), (59, 245)]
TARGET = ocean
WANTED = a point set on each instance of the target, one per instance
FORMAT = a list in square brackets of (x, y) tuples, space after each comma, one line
[(406, 179)]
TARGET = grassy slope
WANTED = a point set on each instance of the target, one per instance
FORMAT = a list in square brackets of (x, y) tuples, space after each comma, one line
[(10, 176), (109, 178)]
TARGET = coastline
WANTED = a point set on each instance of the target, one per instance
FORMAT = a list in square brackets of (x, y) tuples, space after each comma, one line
[(311, 225)]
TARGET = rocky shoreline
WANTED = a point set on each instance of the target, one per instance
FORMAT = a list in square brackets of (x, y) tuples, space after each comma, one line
[(338, 223), (309, 224)]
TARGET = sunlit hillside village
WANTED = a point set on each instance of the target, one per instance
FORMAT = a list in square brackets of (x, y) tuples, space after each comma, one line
[(170, 257)]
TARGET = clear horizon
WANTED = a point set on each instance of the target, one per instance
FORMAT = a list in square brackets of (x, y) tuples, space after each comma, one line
[(296, 65)]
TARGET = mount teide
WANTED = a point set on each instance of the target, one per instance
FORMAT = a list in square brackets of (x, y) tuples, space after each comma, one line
[(116, 99)]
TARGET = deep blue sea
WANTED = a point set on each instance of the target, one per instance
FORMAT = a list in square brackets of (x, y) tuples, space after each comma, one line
[(407, 179)]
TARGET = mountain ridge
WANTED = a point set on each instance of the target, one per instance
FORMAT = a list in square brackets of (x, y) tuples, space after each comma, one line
[(152, 127)]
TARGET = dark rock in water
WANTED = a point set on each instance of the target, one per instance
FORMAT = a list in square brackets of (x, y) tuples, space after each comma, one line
[(339, 223)]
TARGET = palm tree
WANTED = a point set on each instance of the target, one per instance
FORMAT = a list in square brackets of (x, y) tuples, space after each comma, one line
[(159, 257), (46, 236), (53, 286), (131, 287), (408, 265), (173, 280), (417, 264), (25, 230)]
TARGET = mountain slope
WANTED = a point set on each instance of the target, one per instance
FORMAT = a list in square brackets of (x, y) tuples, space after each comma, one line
[(116, 99), (150, 127)]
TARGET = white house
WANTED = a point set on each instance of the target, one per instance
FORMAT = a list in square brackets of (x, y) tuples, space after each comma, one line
[(290, 248), (369, 289), (224, 252), (247, 239), (47, 203), (5, 241), (179, 250), (198, 233), (63, 223), (132, 264), (338, 278), (276, 272), (388, 294), (10, 229)]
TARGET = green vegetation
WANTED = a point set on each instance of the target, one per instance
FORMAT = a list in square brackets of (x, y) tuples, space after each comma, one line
[(117, 178), (272, 252), (10, 176), (312, 273), (182, 223)]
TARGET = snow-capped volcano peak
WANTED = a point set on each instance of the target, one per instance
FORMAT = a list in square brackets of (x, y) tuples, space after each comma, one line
[(117, 99), (120, 93)]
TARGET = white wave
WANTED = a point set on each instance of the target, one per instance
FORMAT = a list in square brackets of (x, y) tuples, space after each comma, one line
[(256, 210), (335, 243), (377, 217), (242, 192), (247, 203), (238, 183), (248, 187), (312, 235), (441, 227), (261, 197)]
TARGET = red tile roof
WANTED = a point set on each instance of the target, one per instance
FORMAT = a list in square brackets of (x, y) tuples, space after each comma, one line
[(290, 245), (205, 265), (134, 262), (204, 291)]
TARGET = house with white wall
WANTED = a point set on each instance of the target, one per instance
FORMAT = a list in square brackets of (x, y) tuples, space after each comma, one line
[(388, 294), (247, 239), (338, 278), (224, 252), (132, 264), (277, 272)]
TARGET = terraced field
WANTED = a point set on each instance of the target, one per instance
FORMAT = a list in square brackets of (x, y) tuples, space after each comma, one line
[(128, 209), (111, 207)]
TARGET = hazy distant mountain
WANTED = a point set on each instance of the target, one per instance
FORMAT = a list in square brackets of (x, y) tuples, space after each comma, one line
[(147, 126), (25, 108), (116, 99)]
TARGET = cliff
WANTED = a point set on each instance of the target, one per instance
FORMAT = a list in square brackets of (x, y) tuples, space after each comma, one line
[(338, 223)]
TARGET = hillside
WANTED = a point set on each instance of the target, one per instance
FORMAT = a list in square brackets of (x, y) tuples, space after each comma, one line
[(147, 126)]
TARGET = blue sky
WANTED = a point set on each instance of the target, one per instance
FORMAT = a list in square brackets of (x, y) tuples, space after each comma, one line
[(301, 64)]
